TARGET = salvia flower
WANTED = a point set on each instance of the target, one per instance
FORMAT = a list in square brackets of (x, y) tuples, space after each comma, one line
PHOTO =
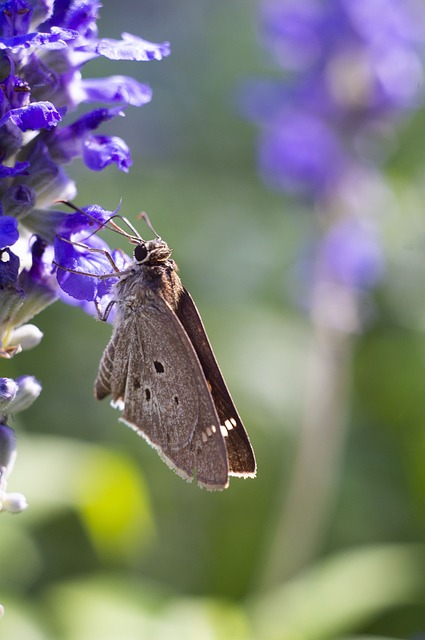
[(348, 72), (44, 48), (349, 69)]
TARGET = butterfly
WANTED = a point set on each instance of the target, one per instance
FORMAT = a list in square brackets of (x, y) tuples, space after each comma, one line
[(160, 370)]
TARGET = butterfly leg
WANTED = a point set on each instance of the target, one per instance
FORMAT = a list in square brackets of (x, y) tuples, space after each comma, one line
[(92, 250), (104, 315)]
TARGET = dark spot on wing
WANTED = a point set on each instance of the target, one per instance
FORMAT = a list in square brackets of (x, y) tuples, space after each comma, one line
[(148, 394), (159, 367)]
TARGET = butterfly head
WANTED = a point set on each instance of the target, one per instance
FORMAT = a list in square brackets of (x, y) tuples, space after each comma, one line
[(152, 251)]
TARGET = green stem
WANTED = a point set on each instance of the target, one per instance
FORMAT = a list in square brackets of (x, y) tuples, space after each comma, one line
[(303, 518)]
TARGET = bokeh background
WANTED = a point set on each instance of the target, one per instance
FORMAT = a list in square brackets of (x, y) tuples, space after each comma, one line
[(113, 544)]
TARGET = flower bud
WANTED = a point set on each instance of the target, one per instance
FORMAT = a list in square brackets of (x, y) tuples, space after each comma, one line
[(7, 451), (14, 502), (8, 390), (28, 336), (28, 391)]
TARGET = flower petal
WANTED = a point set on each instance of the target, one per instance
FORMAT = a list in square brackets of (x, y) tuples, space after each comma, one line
[(116, 89), (129, 48), (19, 168), (56, 39), (101, 151), (9, 233), (37, 115)]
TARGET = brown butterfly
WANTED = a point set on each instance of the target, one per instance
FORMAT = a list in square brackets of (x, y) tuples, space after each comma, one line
[(160, 370)]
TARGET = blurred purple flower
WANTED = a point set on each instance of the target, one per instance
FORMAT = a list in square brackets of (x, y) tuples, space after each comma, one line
[(301, 154), (350, 254), (371, 47), (352, 65), (350, 71)]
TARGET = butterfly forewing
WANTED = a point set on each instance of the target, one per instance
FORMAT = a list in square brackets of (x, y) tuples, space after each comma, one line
[(165, 403), (240, 453)]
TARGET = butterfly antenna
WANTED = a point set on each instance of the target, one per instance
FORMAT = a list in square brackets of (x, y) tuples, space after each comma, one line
[(108, 224), (144, 216)]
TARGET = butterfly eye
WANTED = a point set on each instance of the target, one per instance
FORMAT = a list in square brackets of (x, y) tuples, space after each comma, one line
[(140, 253)]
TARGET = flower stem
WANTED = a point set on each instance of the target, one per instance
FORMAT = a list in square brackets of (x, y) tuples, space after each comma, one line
[(301, 521)]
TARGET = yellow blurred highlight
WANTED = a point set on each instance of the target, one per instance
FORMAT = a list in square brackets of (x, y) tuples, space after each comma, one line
[(114, 505)]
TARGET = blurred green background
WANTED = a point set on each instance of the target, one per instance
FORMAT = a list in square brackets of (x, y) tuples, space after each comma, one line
[(113, 544)]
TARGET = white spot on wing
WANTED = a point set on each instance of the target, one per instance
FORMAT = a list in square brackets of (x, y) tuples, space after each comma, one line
[(118, 404), (233, 421), (204, 437), (224, 431)]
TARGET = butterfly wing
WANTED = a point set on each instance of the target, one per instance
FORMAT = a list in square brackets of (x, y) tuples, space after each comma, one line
[(239, 450), (153, 373)]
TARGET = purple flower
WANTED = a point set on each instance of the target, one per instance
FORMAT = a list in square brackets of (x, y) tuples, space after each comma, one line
[(37, 115), (350, 253), (301, 154), (89, 260), (352, 65), (115, 90), (100, 151), (367, 45), (44, 46), (91, 256), (351, 70), (97, 151), (9, 233), (129, 48), (19, 168)]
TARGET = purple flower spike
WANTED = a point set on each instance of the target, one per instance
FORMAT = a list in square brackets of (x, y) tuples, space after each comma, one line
[(351, 65), (53, 254)]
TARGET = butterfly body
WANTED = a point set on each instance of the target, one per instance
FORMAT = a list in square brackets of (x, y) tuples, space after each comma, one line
[(159, 368)]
